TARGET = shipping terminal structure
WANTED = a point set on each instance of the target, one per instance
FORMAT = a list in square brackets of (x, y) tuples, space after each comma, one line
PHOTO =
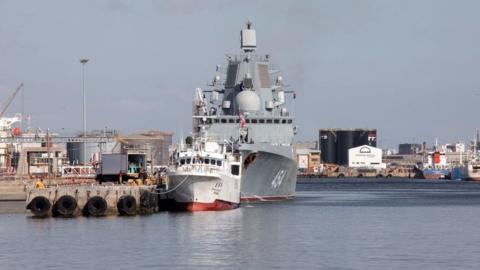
[(335, 143), (246, 106)]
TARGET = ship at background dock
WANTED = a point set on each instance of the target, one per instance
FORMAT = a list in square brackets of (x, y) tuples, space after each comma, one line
[(471, 170), (247, 107), (436, 166)]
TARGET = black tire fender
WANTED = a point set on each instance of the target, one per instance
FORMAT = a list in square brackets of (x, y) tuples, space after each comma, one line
[(127, 205), (96, 206), (65, 206), (39, 206)]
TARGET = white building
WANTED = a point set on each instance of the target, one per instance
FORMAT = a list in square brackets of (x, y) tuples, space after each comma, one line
[(302, 158), (365, 156)]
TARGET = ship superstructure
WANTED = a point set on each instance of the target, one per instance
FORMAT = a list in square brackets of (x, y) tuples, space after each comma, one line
[(247, 105), (205, 176)]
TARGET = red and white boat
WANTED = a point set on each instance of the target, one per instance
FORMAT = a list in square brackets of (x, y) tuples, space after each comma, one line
[(205, 177)]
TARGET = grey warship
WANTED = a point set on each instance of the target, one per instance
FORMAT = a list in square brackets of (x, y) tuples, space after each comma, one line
[(246, 106)]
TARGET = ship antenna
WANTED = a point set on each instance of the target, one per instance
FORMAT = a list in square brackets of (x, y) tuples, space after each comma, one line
[(248, 38)]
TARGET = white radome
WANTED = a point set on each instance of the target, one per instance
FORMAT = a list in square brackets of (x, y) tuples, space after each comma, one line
[(248, 101)]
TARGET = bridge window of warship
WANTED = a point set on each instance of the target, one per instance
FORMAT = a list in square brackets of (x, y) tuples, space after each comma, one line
[(261, 121), (284, 121), (269, 121), (231, 121), (224, 121), (207, 161), (276, 121), (289, 121), (182, 162), (189, 160), (212, 161), (219, 163), (216, 120), (254, 121)]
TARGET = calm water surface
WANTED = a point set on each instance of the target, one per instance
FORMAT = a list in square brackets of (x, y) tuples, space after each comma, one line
[(347, 224)]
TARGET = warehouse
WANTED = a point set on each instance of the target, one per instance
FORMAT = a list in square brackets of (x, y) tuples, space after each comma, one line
[(365, 156)]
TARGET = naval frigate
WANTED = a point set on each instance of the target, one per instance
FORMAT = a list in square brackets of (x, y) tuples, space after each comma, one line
[(246, 105)]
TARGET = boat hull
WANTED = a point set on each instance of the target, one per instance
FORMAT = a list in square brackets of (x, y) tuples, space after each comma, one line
[(470, 173), (271, 176), (196, 192), (435, 174), (217, 205)]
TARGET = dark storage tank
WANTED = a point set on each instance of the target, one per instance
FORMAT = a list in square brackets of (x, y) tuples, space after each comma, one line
[(361, 137), (345, 141), (372, 137), (365, 137), (328, 146)]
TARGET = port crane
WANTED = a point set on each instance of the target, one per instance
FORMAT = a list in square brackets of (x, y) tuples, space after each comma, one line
[(6, 122)]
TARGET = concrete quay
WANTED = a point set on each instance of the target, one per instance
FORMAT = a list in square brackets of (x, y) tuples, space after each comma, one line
[(92, 200)]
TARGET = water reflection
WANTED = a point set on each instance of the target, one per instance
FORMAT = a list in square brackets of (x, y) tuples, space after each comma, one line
[(327, 226)]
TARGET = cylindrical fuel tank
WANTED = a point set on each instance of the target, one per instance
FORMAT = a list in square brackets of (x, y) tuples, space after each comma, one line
[(345, 141), (328, 146)]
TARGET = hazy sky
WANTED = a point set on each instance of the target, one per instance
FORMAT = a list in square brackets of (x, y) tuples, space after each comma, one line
[(408, 68)]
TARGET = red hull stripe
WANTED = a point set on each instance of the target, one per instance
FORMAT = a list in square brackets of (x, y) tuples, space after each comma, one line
[(266, 198), (217, 205)]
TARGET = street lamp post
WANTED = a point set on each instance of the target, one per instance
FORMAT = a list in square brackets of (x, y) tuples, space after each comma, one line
[(83, 62)]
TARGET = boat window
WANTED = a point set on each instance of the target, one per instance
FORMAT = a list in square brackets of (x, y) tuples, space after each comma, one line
[(289, 121), (182, 161), (209, 120), (235, 169), (224, 120), (276, 121), (262, 121), (247, 121), (254, 121), (194, 160), (216, 120), (231, 121), (238, 121), (269, 121), (207, 161), (212, 161), (219, 163), (284, 121), (189, 160)]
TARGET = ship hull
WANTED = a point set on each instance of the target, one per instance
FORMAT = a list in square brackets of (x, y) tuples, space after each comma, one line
[(217, 205), (196, 192), (271, 176), (470, 173), (435, 174)]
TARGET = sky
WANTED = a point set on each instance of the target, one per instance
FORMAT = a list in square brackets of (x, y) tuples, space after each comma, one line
[(408, 68)]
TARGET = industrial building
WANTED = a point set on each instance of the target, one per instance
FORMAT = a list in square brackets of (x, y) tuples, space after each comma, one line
[(153, 143), (335, 143), (308, 157), (308, 161), (409, 148), (365, 156), (80, 152)]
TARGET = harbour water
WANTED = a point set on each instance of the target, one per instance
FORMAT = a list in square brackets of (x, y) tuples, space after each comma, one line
[(332, 224)]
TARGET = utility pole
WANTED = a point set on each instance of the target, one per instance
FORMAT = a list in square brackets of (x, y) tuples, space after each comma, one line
[(83, 62), (48, 153)]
